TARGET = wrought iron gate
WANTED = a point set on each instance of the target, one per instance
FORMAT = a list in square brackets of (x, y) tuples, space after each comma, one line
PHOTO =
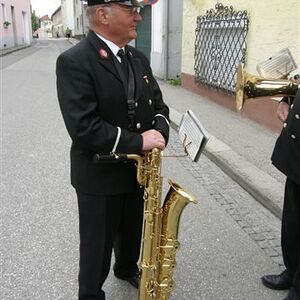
[(220, 46)]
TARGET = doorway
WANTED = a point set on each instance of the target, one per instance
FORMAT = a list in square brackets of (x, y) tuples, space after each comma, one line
[(143, 40), (13, 20)]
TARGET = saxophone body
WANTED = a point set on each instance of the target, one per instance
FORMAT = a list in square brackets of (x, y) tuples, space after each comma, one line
[(161, 224)]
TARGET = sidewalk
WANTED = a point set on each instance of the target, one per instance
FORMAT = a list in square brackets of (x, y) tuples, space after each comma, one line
[(5, 51), (239, 146)]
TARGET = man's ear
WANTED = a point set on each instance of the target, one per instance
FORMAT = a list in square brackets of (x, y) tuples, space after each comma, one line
[(102, 15)]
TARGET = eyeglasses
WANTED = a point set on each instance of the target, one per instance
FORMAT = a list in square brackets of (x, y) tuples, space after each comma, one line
[(131, 10)]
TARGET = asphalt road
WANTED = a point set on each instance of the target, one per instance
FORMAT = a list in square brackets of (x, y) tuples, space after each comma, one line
[(228, 240)]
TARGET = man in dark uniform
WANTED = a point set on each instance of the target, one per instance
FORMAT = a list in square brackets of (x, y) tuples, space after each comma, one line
[(286, 157), (110, 103)]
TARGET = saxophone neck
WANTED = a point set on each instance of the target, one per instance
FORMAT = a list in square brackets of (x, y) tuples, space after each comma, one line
[(146, 164)]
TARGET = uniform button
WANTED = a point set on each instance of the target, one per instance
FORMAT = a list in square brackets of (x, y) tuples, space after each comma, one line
[(293, 136), (292, 105), (284, 125), (138, 125), (96, 158), (150, 102), (297, 116), (136, 104), (153, 122)]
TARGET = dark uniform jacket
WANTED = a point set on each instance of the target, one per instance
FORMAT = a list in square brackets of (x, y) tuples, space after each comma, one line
[(286, 154), (93, 101)]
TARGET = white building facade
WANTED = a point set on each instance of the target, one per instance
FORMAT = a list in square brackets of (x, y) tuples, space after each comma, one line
[(67, 11), (81, 27), (166, 46), (15, 23), (45, 30), (57, 28)]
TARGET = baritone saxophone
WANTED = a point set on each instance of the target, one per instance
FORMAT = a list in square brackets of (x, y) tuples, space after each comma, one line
[(161, 223)]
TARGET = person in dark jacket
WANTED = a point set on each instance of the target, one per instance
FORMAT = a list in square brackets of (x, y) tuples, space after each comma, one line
[(110, 103), (286, 157)]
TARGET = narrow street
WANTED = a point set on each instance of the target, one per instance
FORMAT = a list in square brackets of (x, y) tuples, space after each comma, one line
[(228, 240)]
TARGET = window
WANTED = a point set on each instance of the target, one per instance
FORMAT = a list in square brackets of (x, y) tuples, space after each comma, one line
[(220, 46)]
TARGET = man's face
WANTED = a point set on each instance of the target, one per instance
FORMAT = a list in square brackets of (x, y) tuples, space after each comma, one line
[(123, 22)]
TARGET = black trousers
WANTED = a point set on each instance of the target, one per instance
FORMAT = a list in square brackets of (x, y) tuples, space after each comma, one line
[(106, 223), (290, 234)]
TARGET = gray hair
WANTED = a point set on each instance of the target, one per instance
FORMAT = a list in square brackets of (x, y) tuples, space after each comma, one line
[(91, 13)]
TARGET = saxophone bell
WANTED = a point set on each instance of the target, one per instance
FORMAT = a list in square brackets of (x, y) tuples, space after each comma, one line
[(161, 224), (160, 238)]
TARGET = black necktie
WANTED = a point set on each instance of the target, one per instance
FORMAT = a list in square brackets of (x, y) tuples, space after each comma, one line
[(128, 73), (124, 62)]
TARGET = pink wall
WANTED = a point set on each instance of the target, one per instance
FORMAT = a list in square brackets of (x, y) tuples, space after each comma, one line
[(19, 32)]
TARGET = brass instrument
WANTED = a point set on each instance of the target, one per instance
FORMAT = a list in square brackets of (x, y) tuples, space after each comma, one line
[(251, 86), (161, 225)]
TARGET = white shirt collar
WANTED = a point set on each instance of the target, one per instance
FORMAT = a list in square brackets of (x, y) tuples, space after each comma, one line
[(112, 46)]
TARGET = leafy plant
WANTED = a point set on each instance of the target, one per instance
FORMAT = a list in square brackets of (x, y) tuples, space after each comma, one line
[(35, 22), (6, 24), (174, 81)]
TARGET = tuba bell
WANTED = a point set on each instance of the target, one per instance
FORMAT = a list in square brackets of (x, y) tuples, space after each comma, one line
[(251, 86)]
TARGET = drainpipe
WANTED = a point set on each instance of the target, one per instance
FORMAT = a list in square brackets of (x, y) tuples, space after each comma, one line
[(82, 19), (166, 38)]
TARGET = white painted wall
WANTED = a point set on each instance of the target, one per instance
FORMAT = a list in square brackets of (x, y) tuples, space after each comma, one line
[(274, 25), (81, 25), (70, 14), (166, 38), (158, 55), (67, 12)]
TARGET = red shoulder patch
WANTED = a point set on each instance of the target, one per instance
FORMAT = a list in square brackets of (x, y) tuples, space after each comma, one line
[(103, 53)]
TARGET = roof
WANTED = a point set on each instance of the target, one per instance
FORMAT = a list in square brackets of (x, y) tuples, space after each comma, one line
[(45, 18), (57, 10)]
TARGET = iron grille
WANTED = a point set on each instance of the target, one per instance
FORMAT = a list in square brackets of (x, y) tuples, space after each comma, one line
[(220, 46)]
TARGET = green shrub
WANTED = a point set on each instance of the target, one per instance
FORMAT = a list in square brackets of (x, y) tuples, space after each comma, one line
[(174, 81)]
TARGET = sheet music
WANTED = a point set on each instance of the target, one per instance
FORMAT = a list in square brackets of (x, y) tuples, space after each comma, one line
[(193, 135), (277, 66)]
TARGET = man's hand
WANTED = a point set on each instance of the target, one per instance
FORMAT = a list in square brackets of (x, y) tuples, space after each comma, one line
[(153, 139), (282, 111)]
